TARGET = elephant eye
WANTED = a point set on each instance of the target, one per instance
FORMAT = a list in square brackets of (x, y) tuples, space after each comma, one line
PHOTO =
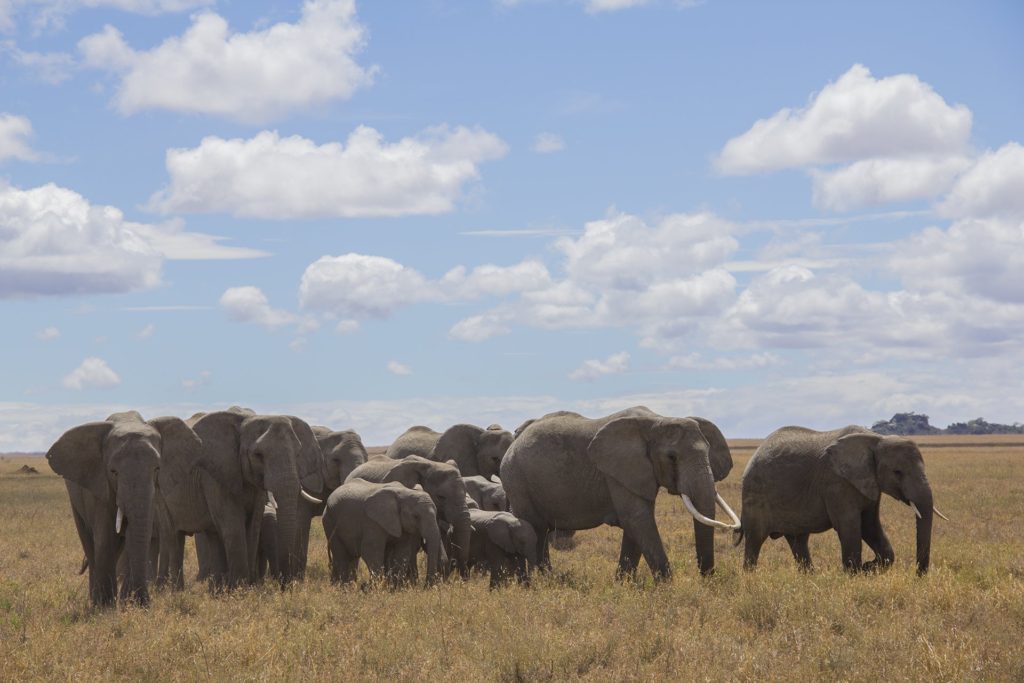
[(898, 473)]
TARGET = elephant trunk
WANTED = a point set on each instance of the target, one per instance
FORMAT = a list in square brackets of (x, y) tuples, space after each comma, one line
[(923, 501), (137, 509), (432, 538), (458, 517), (284, 484), (702, 497)]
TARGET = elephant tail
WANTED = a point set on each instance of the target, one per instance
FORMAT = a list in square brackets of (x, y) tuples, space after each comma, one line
[(737, 537)]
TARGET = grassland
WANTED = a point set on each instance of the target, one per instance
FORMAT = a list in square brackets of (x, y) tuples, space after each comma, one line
[(962, 622)]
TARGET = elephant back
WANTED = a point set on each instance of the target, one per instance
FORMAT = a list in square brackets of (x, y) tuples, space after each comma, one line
[(418, 440)]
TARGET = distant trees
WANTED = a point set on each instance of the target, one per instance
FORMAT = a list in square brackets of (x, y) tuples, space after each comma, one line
[(916, 424)]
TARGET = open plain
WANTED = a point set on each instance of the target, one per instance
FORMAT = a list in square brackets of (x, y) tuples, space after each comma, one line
[(964, 621)]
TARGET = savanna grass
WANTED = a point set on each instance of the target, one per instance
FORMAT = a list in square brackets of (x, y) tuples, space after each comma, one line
[(964, 621)]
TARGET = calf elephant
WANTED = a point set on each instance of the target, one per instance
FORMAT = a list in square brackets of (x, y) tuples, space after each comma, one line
[(385, 525), (502, 544), (476, 451), (110, 470), (441, 481), (487, 495), (565, 471), (800, 481), (246, 460)]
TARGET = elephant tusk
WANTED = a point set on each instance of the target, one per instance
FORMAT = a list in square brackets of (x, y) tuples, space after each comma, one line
[(118, 521), (728, 510), (939, 513), (311, 499), (273, 501), (916, 511), (701, 518)]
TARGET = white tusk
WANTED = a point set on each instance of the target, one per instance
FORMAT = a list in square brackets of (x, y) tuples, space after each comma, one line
[(273, 501), (916, 511), (311, 499), (118, 520), (701, 518), (728, 510), (939, 513)]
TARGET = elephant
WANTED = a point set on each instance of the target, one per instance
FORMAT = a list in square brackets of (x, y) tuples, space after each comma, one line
[(487, 495), (503, 544), (385, 525), (440, 480), (246, 461), (476, 451), (110, 471), (565, 471), (801, 481)]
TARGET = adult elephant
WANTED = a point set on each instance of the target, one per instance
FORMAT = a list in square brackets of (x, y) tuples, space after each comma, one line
[(801, 481), (475, 450), (246, 460), (565, 471), (440, 480), (110, 470)]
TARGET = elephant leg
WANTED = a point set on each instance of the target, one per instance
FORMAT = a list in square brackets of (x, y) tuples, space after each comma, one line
[(873, 534), (401, 560), (849, 531), (230, 521), (202, 555), (103, 563), (629, 557), (343, 565), (304, 519), (754, 539), (373, 550), (521, 573), (798, 546), (544, 548), (636, 516)]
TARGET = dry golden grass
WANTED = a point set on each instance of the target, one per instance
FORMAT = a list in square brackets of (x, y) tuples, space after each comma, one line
[(963, 622)]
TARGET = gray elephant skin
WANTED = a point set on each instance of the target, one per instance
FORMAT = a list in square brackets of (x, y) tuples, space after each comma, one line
[(476, 451), (223, 491), (110, 470), (502, 544), (565, 471), (487, 495), (442, 483), (385, 525), (800, 481)]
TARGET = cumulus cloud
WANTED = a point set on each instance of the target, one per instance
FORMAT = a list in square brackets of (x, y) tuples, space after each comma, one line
[(993, 187), (478, 328), (48, 334), (193, 383), (492, 280), (15, 132), (93, 373), (592, 369), (53, 241), (396, 368), (696, 361), (249, 77), (885, 180), (347, 326), (250, 305), (361, 286), (52, 13), (273, 177), (50, 67), (548, 143)]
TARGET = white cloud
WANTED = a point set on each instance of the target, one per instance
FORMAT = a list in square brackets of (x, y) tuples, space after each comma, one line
[(347, 326), (548, 143), (479, 328), (273, 177), (52, 13), (15, 132), (360, 286), (146, 332), (93, 373), (48, 334), (53, 241), (50, 67), (993, 187), (695, 361), (885, 180), (396, 368), (857, 117), (492, 280), (592, 369), (250, 305), (193, 383), (595, 6), (248, 77)]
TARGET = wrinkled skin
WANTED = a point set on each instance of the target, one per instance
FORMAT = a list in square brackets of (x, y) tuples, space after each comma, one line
[(801, 481), (222, 491), (486, 494), (110, 465), (385, 525), (565, 471), (476, 451), (441, 481), (502, 544)]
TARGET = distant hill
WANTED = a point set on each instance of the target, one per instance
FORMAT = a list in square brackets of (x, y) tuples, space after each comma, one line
[(915, 424)]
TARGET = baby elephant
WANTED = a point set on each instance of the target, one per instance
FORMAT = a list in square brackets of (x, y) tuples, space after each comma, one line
[(385, 524), (502, 543), (486, 494), (800, 481)]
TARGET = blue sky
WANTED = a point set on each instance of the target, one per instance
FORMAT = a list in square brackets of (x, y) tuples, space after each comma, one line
[(374, 215)]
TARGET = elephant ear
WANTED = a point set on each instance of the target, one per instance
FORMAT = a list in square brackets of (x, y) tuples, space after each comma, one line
[(499, 530), (409, 471), (310, 459), (219, 432), (180, 449), (852, 457), (459, 443), (382, 508), (619, 451), (78, 456), (719, 454)]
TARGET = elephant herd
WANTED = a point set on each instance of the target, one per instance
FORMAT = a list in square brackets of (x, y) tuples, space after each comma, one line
[(247, 487)]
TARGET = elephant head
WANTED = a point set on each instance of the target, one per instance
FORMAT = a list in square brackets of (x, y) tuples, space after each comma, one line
[(513, 535), (876, 464), (118, 461), (643, 452), (474, 450), (343, 452)]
